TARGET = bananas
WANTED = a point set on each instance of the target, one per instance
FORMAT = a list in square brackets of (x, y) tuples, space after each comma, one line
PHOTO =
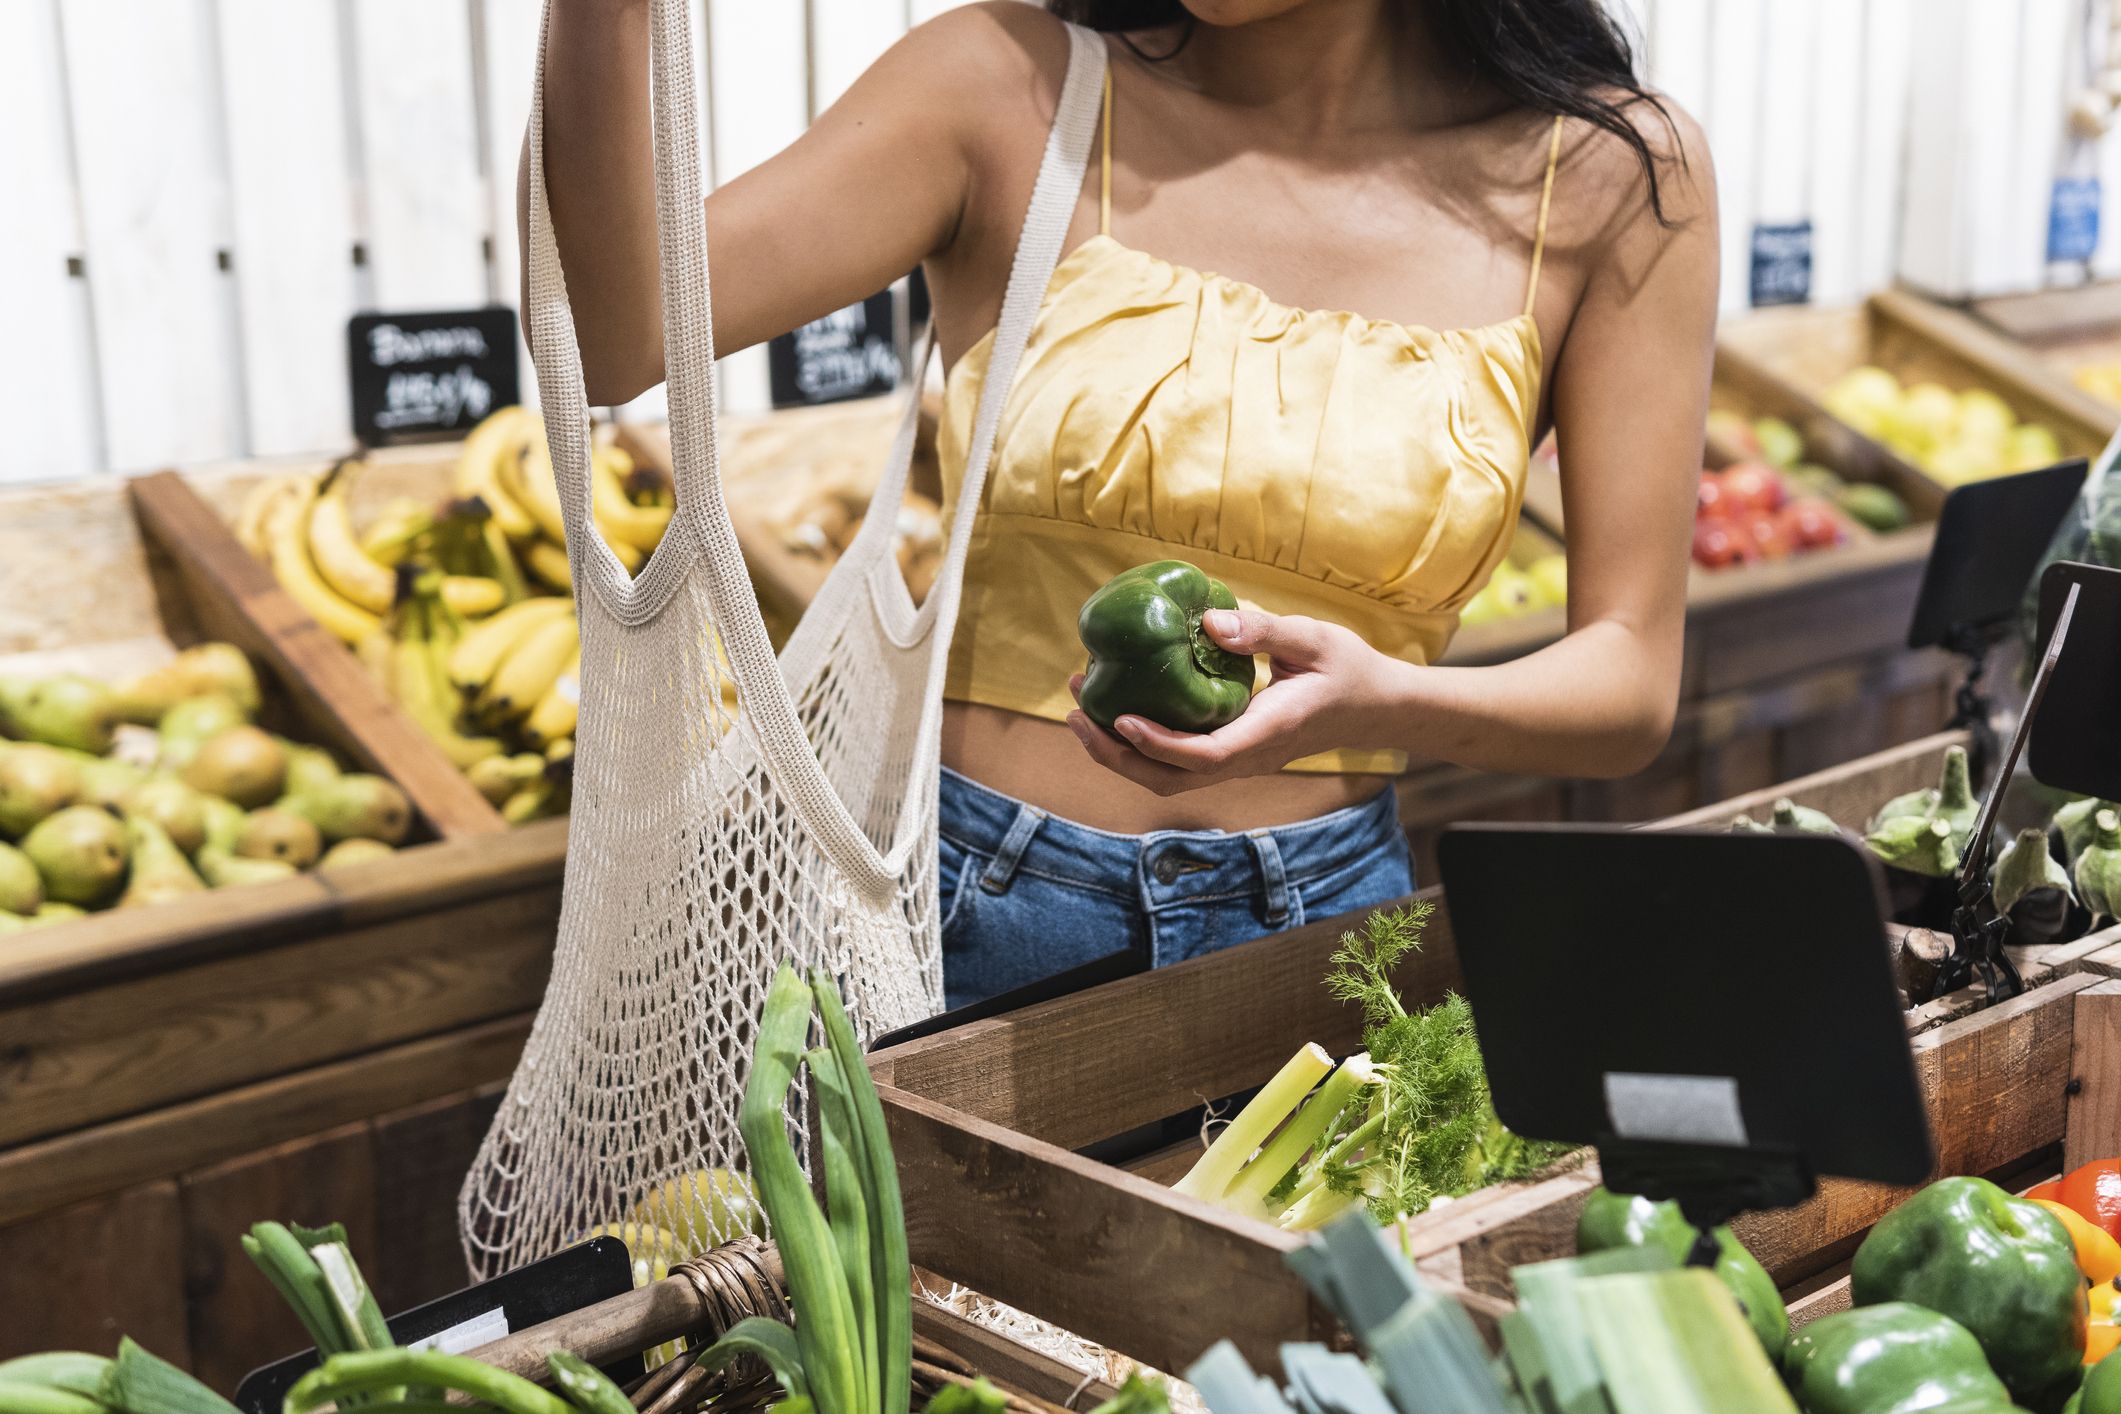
[(338, 553), (424, 634), (554, 716), (623, 523), (530, 481), (504, 437), (529, 671), (288, 548), (477, 655)]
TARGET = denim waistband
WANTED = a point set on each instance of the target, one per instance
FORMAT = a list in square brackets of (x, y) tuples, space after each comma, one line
[(1164, 867)]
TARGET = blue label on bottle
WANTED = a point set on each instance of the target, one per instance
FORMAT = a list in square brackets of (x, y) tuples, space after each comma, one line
[(1782, 263), (2073, 219)]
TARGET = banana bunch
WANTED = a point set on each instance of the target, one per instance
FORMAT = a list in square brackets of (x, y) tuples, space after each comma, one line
[(507, 466), (409, 654), (303, 527), (520, 672)]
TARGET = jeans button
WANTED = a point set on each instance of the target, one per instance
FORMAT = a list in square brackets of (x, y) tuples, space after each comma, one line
[(1165, 869)]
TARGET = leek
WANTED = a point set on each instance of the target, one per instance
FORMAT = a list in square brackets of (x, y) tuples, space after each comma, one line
[(371, 1371), (1299, 1136), (1676, 1340), (1216, 1170), (141, 1383)]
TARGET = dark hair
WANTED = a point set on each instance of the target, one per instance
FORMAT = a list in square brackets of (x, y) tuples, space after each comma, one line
[(1552, 56)]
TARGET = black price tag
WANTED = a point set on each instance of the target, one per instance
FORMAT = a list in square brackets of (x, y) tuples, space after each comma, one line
[(417, 376), (2074, 745), (1782, 263), (1990, 537), (850, 353)]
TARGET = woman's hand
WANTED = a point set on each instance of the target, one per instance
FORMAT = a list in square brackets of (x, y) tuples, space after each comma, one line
[(1328, 690)]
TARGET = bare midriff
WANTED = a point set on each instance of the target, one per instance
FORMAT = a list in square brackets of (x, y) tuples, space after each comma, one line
[(1041, 763)]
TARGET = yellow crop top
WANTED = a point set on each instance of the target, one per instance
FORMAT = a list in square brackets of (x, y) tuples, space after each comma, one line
[(1317, 462)]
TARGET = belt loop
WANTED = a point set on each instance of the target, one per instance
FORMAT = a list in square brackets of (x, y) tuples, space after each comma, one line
[(1272, 874), (1001, 870)]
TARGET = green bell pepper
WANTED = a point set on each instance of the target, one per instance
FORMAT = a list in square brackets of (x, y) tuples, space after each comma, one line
[(1614, 1220), (2002, 1267), (1889, 1359), (2102, 1389), (1149, 656)]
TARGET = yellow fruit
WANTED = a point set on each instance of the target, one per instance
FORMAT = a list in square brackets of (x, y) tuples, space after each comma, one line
[(704, 1208), (1925, 421), (555, 715), (1984, 416), (505, 434), (529, 670), (548, 563), (529, 479), (1482, 607), (623, 523), (1513, 590), (337, 551), (1549, 578), (472, 595), (1865, 398), (288, 541), (475, 656), (2032, 445)]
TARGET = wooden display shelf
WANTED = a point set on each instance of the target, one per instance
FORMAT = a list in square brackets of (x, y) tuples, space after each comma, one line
[(2061, 331), (1802, 350), (987, 1122)]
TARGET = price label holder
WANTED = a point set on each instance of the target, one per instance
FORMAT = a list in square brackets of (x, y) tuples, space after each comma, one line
[(2076, 723), (540, 1291), (1617, 1006), (417, 377), (1990, 538), (1125, 962), (850, 353)]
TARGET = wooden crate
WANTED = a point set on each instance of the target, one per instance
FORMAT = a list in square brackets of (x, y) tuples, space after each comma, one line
[(1804, 349), (2063, 331), (987, 1121)]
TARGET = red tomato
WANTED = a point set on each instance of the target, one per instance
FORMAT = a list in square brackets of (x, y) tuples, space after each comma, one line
[(1756, 485), (1810, 524), (1720, 544), (1710, 496), (1770, 539)]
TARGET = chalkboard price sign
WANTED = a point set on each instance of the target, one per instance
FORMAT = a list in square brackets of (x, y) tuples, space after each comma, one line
[(850, 353), (1782, 263), (429, 375)]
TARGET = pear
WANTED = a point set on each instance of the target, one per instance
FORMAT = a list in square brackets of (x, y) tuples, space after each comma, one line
[(175, 806), (499, 777), (205, 668), (160, 871), (1915, 844), (21, 890), (34, 783), (224, 822), (193, 722), (105, 780), (14, 923), (355, 806), (281, 835), (223, 869), (50, 912), (1791, 818), (307, 766), (67, 710), (242, 764), (81, 852), (354, 851)]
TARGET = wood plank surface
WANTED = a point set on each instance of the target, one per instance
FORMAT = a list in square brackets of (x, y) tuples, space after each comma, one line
[(2094, 1113), (81, 1058), (79, 1278), (420, 1158), (235, 598), (1849, 792), (1088, 1066), (238, 1321), (1115, 1258), (35, 1178)]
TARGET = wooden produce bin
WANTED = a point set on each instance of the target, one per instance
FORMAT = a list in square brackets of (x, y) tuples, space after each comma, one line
[(325, 1047), (2060, 333), (987, 1122)]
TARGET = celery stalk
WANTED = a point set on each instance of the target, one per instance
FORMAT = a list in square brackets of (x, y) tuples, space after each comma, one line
[(1315, 1209), (1299, 1136), (1218, 1168)]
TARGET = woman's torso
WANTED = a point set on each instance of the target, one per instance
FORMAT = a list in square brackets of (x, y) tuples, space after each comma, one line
[(1365, 468)]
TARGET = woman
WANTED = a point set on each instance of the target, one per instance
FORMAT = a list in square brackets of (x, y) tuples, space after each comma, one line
[(1530, 239)]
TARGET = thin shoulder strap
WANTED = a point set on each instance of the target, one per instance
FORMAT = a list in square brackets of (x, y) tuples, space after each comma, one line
[(1546, 199), (1104, 177)]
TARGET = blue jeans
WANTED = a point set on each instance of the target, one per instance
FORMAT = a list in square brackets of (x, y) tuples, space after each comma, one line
[(1025, 894)]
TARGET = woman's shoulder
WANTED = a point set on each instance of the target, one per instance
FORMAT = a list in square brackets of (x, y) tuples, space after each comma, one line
[(992, 56), (1649, 134)]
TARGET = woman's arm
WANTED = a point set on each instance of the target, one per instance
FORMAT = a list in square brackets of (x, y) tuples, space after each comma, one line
[(1630, 399), (904, 146)]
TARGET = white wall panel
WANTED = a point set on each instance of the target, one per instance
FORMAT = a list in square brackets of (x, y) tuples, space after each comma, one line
[(2026, 185), (142, 92), (426, 210), (1836, 199), (1888, 64), (758, 90), (1678, 43), (282, 80), (846, 36), (46, 356), (1736, 35), (506, 37)]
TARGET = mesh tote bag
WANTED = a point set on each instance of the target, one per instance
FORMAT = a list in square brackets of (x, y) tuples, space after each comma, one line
[(732, 811)]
